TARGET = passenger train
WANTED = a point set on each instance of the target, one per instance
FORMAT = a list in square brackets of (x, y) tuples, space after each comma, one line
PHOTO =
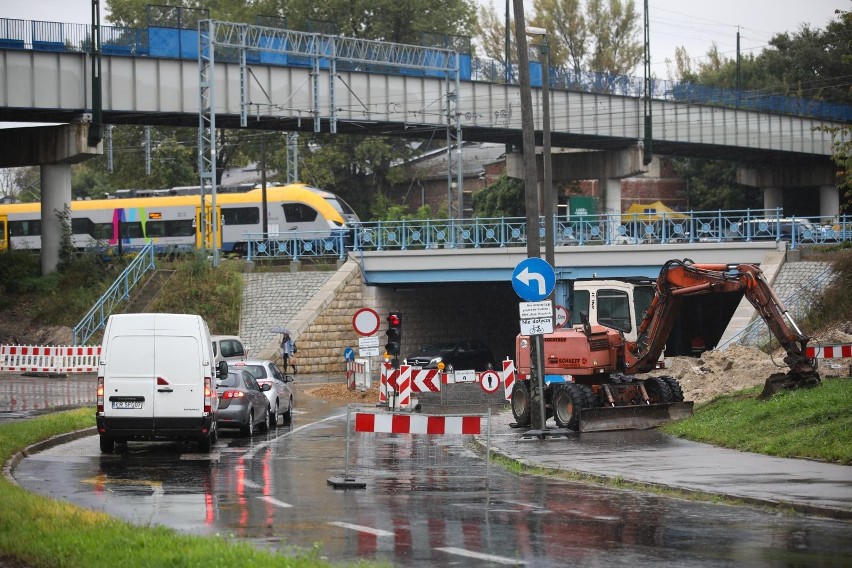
[(172, 223)]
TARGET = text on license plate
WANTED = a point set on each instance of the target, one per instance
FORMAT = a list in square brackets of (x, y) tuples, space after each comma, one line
[(127, 404)]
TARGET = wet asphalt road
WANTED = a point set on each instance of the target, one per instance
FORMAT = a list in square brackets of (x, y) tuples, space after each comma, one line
[(425, 504)]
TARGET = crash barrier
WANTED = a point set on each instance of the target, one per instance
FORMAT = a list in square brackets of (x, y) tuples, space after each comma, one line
[(396, 386), (829, 351), (39, 393), (50, 359), (401, 450)]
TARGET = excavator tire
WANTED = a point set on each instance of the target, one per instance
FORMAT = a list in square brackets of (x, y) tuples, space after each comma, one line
[(675, 388), (658, 390), (569, 400), (521, 403)]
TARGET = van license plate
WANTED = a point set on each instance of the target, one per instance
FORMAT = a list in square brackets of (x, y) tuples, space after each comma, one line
[(127, 404)]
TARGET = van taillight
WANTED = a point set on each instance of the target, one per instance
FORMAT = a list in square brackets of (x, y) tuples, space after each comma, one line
[(100, 394), (208, 395)]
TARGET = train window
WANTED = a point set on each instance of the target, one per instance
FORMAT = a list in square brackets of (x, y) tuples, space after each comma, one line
[(30, 228), (155, 229), (241, 215), (102, 231), (131, 230), (299, 213), (81, 226), (2, 231), (180, 228)]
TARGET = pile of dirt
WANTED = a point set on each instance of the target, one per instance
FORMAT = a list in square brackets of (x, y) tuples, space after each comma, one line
[(16, 328), (721, 372), (340, 391)]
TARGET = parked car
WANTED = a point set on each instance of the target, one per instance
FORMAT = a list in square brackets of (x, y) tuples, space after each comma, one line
[(242, 402), (460, 354), (280, 394), (228, 348)]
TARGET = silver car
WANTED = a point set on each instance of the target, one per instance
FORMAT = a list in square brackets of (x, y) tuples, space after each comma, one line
[(242, 402), (280, 394)]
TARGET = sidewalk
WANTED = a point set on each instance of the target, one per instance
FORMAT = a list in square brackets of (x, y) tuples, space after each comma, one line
[(651, 457)]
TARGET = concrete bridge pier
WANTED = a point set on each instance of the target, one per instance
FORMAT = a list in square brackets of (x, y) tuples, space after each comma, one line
[(808, 177), (55, 149)]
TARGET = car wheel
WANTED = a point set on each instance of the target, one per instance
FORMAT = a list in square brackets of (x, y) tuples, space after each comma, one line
[(288, 414), (273, 416), (248, 429), (263, 424), (107, 445), (205, 443)]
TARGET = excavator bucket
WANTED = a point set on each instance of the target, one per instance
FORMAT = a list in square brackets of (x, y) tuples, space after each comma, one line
[(788, 381), (638, 417)]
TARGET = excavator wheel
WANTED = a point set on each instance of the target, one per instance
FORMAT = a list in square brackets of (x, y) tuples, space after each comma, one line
[(569, 400), (674, 387), (658, 390), (521, 403)]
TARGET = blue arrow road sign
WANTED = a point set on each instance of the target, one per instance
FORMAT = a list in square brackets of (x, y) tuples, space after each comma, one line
[(533, 279)]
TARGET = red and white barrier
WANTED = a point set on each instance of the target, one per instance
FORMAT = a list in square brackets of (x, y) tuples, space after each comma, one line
[(509, 377), (49, 359), (416, 424), (357, 374), (829, 351)]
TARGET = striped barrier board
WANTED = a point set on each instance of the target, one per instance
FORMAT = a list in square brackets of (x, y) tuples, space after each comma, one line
[(416, 424), (49, 359), (829, 351)]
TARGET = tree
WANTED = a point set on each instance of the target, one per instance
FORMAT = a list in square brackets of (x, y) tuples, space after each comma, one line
[(503, 198), (712, 185)]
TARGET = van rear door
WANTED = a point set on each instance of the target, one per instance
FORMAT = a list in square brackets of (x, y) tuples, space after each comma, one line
[(129, 387), (179, 382)]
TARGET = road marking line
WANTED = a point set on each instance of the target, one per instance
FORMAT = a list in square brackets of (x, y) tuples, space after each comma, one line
[(274, 501), (252, 484), (481, 556), (361, 528)]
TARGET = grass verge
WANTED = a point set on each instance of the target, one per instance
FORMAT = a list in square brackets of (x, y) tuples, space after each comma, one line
[(810, 423), (37, 531)]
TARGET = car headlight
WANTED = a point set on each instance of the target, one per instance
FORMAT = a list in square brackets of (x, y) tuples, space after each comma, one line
[(435, 361)]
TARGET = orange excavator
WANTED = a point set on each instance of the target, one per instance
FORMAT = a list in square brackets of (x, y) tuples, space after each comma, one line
[(590, 381)]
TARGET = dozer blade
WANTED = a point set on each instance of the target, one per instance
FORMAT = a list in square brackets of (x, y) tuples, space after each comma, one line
[(639, 417)]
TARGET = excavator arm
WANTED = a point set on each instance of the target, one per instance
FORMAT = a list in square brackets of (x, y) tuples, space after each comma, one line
[(681, 278)]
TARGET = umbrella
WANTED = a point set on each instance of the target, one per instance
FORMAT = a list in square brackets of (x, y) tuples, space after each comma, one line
[(279, 329)]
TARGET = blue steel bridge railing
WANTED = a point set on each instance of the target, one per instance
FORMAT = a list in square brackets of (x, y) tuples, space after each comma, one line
[(577, 230), (166, 42), (117, 293)]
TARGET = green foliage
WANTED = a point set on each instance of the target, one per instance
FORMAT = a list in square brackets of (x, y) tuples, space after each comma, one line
[(383, 210), (503, 198), (198, 288), (834, 305), (808, 423), (712, 185)]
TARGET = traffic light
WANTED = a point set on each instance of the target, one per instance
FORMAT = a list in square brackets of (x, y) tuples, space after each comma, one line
[(394, 333)]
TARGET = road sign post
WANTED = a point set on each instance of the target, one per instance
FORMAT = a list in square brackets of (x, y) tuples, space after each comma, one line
[(534, 280)]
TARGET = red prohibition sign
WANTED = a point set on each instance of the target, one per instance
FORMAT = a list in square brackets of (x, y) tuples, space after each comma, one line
[(366, 321)]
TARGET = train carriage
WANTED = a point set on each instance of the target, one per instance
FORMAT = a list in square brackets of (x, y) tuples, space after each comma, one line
[(172, 223)]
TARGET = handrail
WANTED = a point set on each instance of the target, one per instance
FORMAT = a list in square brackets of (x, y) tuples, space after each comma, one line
[(117, 292)]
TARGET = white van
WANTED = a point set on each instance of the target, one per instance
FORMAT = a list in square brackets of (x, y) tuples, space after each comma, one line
[(156, 380)]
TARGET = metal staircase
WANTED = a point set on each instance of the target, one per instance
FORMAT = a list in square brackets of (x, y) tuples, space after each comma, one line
[(115, 295)]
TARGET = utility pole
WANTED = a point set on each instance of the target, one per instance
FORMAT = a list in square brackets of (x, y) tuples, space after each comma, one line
[(263, 184)]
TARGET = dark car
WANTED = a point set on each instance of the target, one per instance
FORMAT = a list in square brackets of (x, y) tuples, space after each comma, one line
[(280, 394), (461, 354), (242, 402)]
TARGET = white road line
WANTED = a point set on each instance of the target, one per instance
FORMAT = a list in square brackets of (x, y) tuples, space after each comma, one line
[(481, 556), (361, 528), (274, 501), (252, 484)]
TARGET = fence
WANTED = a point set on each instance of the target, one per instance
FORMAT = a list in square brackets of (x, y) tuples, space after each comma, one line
[(413, 452), (52, 359)]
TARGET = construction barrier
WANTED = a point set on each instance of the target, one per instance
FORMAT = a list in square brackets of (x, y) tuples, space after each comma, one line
[(50, 359), (401, 450), (829, 351), (358, 374)]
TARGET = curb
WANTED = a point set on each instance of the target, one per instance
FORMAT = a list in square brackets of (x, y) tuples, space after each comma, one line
[(59, 439)]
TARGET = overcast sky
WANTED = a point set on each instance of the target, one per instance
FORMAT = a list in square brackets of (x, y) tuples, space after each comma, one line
[(694, 24)]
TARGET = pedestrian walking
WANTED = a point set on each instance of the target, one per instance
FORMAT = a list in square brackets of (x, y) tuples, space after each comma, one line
[(288, 350)]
